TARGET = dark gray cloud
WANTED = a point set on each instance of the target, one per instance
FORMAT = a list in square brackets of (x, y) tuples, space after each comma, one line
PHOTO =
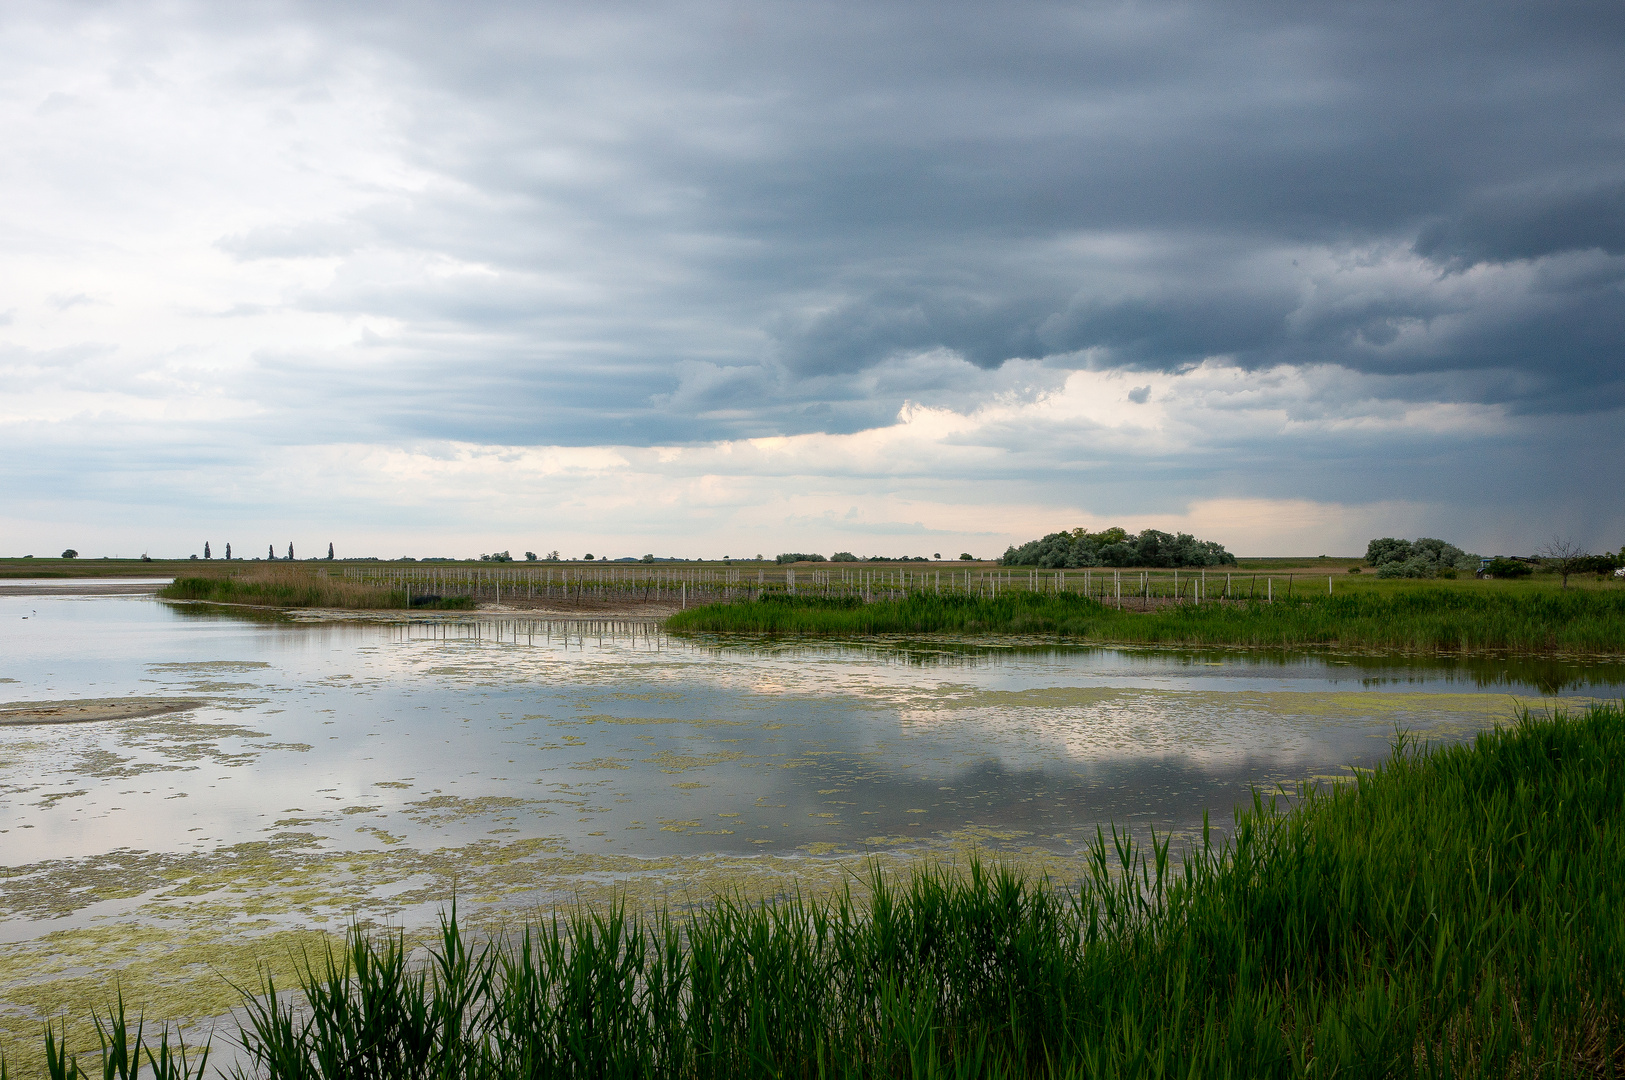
[(1503, 228), (799, 195), (565, 224)]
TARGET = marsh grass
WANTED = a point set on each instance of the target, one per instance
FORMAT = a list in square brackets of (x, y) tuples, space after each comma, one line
[(290, 589), (1413, 618), (1455, 912)]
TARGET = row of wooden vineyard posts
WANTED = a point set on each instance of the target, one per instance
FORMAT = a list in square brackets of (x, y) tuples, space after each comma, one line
[(703, 585)]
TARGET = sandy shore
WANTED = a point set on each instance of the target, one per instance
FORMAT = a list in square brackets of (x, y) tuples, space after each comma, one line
[(81, 587)]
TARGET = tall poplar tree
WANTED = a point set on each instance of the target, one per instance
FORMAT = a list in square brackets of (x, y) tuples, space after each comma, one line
[(290, 551), (206, 554)]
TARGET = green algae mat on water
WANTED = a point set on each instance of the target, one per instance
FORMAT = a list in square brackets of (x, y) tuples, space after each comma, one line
[(1453, 912)]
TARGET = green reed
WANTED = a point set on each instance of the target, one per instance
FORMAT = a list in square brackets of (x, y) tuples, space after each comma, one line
[(1455, 912), (1415, 618)]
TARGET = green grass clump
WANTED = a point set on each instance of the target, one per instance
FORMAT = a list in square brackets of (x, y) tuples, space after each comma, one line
[(1456, 912), (1416, 618)]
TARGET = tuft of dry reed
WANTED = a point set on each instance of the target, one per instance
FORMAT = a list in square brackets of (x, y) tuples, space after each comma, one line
[(285, 587)]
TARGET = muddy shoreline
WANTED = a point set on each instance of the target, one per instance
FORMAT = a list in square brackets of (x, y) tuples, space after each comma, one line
[(17, 714)]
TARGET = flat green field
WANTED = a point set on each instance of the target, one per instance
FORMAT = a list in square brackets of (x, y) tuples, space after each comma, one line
[(91, 568)]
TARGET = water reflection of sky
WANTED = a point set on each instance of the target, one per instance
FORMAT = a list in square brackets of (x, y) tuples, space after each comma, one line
[(614, 737)]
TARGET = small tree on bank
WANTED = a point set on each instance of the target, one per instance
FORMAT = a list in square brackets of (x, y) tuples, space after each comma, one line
[(1564, 555), (68, 554)]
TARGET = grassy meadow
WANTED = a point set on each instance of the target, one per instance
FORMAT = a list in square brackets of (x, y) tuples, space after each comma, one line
[(1465, 616), (1455, 912)]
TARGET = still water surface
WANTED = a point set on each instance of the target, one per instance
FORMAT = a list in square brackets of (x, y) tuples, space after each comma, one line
[(330, 772), (615, 736)]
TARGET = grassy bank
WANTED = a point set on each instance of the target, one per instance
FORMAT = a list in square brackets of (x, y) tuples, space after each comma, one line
[(1412, 618), (301, 589), (1455, 912)]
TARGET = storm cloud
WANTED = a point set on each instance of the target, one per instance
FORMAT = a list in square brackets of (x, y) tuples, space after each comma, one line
[(237, 229)]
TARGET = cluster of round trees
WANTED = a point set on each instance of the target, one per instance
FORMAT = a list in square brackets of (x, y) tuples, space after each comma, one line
[(1117, 547), (1424, 557)]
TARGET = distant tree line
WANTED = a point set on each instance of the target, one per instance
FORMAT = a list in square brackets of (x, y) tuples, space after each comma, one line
[(845, 556), (1117, 547), (1427, 557)]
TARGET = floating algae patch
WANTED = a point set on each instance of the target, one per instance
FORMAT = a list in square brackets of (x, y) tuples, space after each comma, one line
[(445, 809), (187, 979), (180, 741), (193, 925), (686, 721), (88, 710), (676, 761)]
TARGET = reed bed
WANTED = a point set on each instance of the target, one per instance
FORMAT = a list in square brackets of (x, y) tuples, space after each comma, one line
[(1455, 912), (302, 589), (1416, 619)]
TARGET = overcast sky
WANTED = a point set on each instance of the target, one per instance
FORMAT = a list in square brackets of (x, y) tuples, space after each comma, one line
[(727, 278)]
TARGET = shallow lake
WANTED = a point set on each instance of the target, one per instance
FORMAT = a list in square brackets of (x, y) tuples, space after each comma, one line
[(333, 770)]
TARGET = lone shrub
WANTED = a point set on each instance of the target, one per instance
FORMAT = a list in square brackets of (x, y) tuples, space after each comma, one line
[(1507, 568)]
